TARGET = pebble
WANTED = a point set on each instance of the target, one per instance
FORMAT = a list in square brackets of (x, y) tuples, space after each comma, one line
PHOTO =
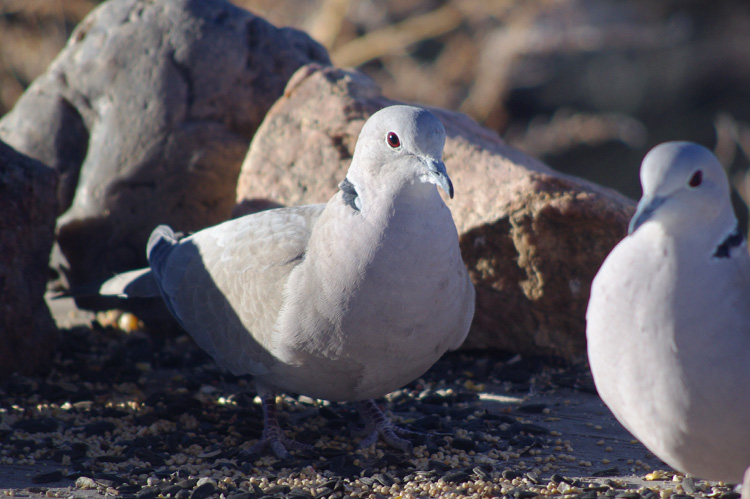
[(86, 483), (457, 476), (203, 491), (146, 493), (688, 485)]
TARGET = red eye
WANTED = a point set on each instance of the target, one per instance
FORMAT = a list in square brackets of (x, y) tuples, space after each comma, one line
[(393, 140), (696, 179)]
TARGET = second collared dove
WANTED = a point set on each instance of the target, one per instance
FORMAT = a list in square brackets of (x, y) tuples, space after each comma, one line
[(668, 321), (344, 301)]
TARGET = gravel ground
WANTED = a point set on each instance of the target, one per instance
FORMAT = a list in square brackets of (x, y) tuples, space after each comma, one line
[(143, 416)]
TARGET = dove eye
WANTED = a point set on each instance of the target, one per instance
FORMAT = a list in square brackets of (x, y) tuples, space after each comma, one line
[(393, 140), (696, 179)]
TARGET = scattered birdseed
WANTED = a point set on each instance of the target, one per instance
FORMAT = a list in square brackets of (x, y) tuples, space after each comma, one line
[(137, 416)]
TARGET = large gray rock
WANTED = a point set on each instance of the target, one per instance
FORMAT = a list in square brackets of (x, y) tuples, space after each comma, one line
[(27, 226), (147, 114), (532, 238)]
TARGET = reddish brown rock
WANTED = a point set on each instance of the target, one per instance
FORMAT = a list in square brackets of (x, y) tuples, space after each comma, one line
[(27, 226), (532, 238), (147, 114)]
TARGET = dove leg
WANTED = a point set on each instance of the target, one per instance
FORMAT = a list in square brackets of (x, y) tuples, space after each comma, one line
[(378, 425), (273, 437)]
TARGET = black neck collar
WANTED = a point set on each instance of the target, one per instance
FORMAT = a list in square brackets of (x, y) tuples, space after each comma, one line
[(732, 240), (349, 193)]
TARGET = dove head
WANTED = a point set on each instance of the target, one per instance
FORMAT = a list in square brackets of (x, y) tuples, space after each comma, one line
[(684, 188), (398, 146)]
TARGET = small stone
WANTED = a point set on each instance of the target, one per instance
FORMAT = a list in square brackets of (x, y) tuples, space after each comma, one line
[(688, 485), (181, 473), (171, 491), (188, 483), (108, 479), (457, 476), (243, 495), (204, 480), (203, 491), (534, 477), (299, 494), (278, 489), (519, 493), (86, 483), (367, 480), (438, 466), (146, 493), (555, 478), (384, 479), (481, 473)]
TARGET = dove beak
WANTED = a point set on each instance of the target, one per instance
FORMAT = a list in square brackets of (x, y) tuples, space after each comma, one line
[(437, 174), (646, 208)]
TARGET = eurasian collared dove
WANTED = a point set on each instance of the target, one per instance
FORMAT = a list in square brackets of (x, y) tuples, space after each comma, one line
[(344, 301), (668, 321)]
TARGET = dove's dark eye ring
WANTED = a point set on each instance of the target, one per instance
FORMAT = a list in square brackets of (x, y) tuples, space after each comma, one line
[(696, 179), (393, 140)]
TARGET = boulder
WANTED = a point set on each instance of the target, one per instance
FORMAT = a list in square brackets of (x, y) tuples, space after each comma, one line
[(532, 238), (28, 336), (147, 114)]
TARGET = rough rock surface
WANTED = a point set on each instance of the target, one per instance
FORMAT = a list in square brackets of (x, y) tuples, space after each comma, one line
[(27, 227), (532, 238), (147, 114)]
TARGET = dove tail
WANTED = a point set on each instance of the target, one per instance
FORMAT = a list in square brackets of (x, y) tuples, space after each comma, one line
[(160, 244), (141, 283), (134, 284)]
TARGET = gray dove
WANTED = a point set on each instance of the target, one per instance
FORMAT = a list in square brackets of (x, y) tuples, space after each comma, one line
[(668, 321), (343, 301)]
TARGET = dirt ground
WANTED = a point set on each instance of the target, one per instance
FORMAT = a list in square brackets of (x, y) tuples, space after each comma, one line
[(570, 433)]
